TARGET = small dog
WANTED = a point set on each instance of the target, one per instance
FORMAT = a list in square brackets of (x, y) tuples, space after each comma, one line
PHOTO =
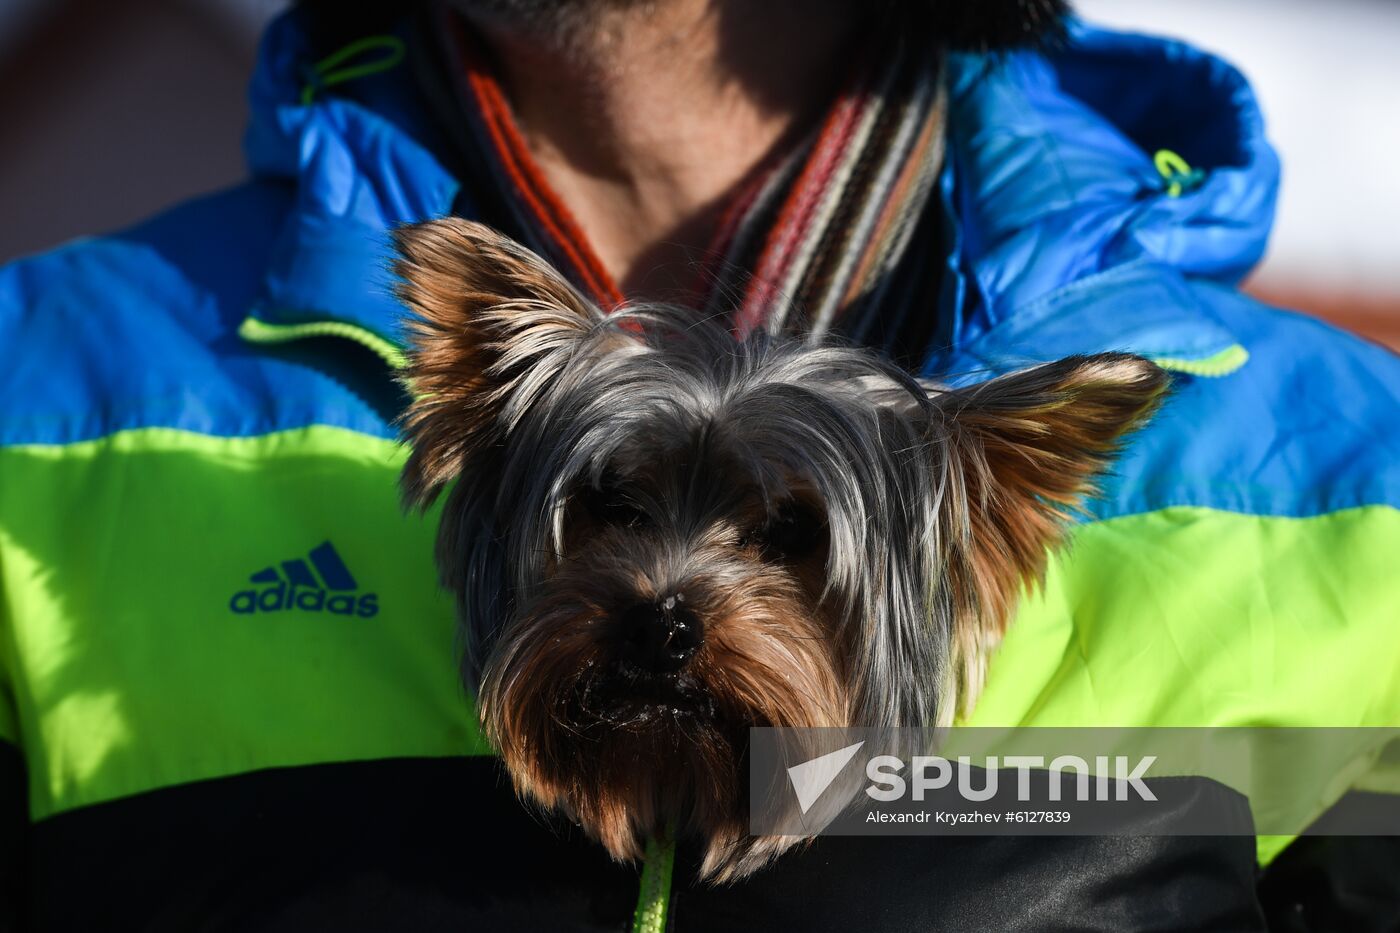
[(660, 536)]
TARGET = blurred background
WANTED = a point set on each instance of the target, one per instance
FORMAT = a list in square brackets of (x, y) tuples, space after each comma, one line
[(111, 111)]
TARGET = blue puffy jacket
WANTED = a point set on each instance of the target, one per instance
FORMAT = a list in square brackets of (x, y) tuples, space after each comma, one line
[(225, 663)]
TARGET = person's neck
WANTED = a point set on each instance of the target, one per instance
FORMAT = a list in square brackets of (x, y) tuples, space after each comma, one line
[(648, 118)]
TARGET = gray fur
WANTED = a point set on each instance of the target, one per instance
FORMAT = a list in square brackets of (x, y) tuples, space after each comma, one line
[(773, 406)]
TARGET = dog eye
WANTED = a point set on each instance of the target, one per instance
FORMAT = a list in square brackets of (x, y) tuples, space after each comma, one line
[(793, 532), (610, 506)]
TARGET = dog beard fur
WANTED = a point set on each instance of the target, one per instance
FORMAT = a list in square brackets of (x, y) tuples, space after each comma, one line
[(626, 764), (839, 544)]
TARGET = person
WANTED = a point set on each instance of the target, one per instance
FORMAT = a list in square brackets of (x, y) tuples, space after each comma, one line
[(229, 693)]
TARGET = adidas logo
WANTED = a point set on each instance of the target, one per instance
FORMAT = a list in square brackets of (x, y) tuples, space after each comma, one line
[(296, 587)]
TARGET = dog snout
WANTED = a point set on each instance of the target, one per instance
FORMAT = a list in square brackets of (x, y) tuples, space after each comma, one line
[(661, 636)]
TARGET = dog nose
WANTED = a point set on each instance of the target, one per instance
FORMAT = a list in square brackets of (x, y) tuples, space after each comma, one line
[(660, 637)]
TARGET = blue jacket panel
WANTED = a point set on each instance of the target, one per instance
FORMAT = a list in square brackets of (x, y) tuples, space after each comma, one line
[(1065, 239)]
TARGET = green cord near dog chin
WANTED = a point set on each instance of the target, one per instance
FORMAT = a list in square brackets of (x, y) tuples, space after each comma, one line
[(654, 892)]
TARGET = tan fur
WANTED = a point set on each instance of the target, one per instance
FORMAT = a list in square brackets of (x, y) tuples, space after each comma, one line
[(767, 661), (484, 309), (1027, 448)]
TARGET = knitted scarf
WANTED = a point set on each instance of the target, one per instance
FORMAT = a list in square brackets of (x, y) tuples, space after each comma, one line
[(836, 236)]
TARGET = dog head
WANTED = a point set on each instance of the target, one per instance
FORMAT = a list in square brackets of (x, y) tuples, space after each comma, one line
[(660, 536)]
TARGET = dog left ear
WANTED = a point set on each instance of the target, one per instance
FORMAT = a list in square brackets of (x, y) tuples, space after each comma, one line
[(1024, 450), (492, 323)]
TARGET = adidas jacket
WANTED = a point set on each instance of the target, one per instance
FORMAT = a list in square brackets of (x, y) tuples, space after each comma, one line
[(228, 686)]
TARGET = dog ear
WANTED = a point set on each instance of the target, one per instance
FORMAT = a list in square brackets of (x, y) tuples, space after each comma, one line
[(1024, 450), (491, 324)]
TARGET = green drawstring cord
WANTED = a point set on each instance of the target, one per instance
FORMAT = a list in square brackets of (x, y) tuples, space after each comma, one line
[(1180, 176), (324, 74), (654, 893)]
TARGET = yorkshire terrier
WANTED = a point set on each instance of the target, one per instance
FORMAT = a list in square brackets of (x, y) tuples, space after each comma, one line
[(660, 536)]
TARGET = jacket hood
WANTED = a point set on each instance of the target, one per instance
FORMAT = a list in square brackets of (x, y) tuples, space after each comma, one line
[(358, 154), (1050, 179), (1055, 175)]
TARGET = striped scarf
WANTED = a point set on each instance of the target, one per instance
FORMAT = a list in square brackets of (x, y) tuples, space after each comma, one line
[(834, 237)]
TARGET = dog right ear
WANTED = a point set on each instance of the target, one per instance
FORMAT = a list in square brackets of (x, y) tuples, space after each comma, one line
[(491, 324)]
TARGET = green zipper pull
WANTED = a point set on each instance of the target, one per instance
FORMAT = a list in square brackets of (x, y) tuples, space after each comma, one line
[(1177, 173), (333, 70)]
